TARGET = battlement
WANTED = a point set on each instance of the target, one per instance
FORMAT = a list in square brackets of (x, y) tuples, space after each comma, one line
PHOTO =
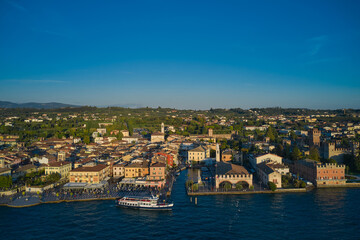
[(234, 176), (341, 149), (331, 166), (332, 147)]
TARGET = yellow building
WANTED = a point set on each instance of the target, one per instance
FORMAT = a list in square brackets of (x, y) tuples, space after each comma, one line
[(157, 137), (63, 168), (198, 154), (94, 174), (135, 170)]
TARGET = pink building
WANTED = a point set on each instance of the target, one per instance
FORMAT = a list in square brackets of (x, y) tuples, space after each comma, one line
[(157, 171)]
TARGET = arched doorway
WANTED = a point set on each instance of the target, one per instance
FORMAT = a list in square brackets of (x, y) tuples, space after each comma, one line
[(242, 185), (225, 186)]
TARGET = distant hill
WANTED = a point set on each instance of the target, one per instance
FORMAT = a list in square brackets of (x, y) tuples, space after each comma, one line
[(52, 105)]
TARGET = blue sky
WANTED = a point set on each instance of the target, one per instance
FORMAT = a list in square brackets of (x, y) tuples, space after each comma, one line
[(182, 54)]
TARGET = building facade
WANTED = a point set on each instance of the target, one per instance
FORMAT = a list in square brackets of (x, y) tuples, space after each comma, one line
[(135, 170), (157, 171), (61, 156), (198, 154), (119, 170), (62, 168), (268, 174), (232, 174), (157, 137), (94, 174), (333, 152), (255, 160), (320, 174), (227, 155)]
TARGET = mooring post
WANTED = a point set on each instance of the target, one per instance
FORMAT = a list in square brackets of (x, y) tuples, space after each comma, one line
[(190, 199), (195, 200)]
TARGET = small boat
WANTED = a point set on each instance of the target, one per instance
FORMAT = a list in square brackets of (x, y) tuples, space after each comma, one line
[(146, 203)]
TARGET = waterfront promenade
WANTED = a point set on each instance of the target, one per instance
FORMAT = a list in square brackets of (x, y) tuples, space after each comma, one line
[(58, 195), (332, 213), (111, 192)]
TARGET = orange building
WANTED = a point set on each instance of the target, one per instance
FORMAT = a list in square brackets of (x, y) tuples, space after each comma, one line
[(136, 169), (227, 155), (169, 158), (94, 174)]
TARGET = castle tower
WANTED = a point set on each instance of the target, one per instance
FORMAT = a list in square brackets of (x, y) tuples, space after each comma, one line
[(314, 137), (217, 153), (210, 132), (329, 150), (162, 128)]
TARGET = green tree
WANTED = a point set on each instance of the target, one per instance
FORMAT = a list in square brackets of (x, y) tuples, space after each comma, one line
[(239, 186), (53, 178), (272, 186), (314, 154), (189, 183), (5, 182), (279, 150), (353, 162), (332, 160), (227, 186), (302, 184), (270, 134), (86, 139), (293, 135), (284, 181), (296, 153)]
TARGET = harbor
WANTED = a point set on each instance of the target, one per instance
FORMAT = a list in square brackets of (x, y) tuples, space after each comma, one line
[(216, 215)]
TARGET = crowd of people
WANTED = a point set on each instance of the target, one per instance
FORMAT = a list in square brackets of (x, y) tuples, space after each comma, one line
[(109, 191)]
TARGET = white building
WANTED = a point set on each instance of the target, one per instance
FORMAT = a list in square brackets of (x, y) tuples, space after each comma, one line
[(255, 160)]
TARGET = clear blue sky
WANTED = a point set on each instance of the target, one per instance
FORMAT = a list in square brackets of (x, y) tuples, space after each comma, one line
[(182, 54)]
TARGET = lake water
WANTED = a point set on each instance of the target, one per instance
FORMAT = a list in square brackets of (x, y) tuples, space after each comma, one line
[(320, 214)]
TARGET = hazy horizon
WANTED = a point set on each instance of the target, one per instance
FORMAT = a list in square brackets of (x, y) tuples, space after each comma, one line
[(135, 106), (184, 55)]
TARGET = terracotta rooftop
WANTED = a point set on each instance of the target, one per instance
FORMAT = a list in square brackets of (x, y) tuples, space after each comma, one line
[(228, 169), (57, 164), (90, 169), (158, 164)]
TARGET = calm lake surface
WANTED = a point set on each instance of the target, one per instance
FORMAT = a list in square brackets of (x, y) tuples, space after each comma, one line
[(320, 214)]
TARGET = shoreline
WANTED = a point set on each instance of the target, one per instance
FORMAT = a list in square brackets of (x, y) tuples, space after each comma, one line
[(296, 190), (191, 194), (59, 201), (289, 190)]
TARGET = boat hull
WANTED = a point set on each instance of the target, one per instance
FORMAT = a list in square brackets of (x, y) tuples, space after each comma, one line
[(144, 203), (165, 208)]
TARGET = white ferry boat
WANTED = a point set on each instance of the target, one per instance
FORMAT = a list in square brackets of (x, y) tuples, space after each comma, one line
[(147, 203)]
